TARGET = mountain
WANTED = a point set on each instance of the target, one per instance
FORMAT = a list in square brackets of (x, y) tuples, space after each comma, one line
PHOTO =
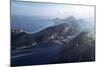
[(79, 48), (21, 38), (53, 32), (61, 31), (75, 24), (64, 41), (57, 31), (33, 24)]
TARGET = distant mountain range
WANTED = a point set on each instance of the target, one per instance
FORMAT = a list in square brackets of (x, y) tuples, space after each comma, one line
[(58, 31), (33, 24)]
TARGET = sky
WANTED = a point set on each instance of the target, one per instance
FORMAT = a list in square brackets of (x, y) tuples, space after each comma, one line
[(51, 10)]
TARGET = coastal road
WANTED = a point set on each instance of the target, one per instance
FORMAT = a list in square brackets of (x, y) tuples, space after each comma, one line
[(39, 54)]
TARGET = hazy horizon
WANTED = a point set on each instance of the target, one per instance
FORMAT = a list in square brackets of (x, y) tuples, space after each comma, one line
[(27, 12), (51, 10)]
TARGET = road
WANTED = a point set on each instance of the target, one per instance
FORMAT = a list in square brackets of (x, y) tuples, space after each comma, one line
[(40, 54)]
